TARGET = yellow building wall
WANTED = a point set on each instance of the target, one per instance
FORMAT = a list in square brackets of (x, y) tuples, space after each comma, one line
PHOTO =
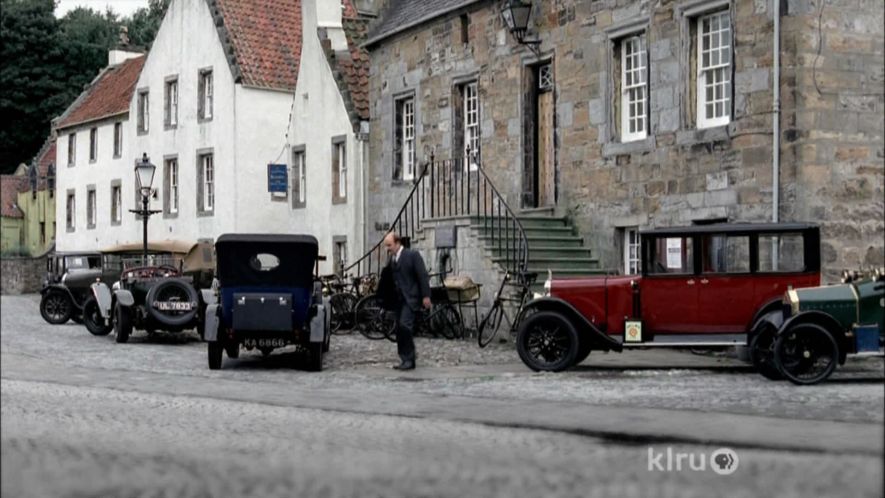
[(11, 235), (39, 221)]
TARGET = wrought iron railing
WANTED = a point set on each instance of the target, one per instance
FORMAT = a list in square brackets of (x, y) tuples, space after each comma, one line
[(455, 188)]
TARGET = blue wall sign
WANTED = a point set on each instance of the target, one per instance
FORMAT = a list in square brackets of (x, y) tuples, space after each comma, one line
[(277, 178)]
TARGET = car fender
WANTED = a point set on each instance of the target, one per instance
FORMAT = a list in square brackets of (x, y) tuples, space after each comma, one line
[(103, 295), (318, 324), (124, 297), (764, 312), (773, 318), (60, 288), (824, 320), (210, 323), (599, 338), (209, 296)]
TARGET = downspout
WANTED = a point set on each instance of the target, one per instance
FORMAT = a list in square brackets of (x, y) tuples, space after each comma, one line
[(364, 190), (776, 114)]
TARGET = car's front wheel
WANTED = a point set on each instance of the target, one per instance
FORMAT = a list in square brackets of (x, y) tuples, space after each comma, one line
[(92, 319), (806, 353), (56, 307), (547, 341), (761, 353), (122, 323), (215, 350)]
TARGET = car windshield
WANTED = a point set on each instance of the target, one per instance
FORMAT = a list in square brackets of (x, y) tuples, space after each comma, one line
[(82, 262)]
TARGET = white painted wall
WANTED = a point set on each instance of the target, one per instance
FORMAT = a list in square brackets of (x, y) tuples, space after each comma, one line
[(318, 115)]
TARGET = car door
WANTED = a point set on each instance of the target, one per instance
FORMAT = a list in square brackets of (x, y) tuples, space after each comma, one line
[(669, 290), (726, 298)]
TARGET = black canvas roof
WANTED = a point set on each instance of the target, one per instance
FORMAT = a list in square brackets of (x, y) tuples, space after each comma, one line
[(297, 256), (267, 238)]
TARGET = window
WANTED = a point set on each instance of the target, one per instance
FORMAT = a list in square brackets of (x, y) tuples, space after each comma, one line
[(631, 251), (205, 94), (404, 167), (670, 255), (72, 149), (171, 184), (170, 101), (118, 139), (781, 253), (714, 69), (143, 110), (116, 204), (299, 178), (634, 89), (339, 253), (471, 123), (339, 170), (206, 192), (93, 144), (90, 207), (42, 233), (726, 254), (70, 213)]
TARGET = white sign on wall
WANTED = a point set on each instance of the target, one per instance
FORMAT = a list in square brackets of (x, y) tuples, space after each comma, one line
[(674, 254)]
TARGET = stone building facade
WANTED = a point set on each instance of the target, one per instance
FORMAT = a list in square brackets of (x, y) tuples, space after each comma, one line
[(555, 126)]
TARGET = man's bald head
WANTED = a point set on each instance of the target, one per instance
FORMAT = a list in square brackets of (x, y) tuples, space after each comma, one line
[(392, 242)]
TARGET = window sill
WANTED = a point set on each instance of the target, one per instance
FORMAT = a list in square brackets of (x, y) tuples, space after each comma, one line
[(92, 161), (204, 120), (168, 215), (118, 156), (299, 205), (402, 183), (167, 127), (116, 223), (205, 214), (90, 227), (647, 144), (703, 135), (142, 132), (70, 229), (339, 200)]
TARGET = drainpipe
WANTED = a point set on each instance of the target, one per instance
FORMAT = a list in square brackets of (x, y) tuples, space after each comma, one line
[(776, 115)]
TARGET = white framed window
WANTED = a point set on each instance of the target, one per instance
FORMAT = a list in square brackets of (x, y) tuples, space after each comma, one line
[(714, 69), (172, 175), (93, 144), (90, 207), (631, 251), (72, 149), (299, 178), (171, 103), (341, 153), (206, 94), (405, 139), (208, 170), (116, 204), (143, 110), (70, 212), (118, 139), (471, 123), (634, 88)]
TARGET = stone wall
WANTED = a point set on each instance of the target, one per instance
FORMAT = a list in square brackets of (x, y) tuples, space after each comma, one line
[(21, 275), (832, 145)]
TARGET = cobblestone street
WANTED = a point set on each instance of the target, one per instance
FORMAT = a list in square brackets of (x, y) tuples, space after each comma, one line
[(84, 416)]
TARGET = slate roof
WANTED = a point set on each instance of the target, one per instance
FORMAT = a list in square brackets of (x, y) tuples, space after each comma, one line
[(10, 186), (108, 95), (351, 67), (262, 39), (402, 15)]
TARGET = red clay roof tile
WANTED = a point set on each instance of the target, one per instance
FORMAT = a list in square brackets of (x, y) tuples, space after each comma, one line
[(108, 96)]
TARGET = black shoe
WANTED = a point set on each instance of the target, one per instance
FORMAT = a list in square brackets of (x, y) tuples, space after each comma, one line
[(405, 366)]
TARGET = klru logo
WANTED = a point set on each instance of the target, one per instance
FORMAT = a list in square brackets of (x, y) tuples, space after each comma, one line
[(723, 461)]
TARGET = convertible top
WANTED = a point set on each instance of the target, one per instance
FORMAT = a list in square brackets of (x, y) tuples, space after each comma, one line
[(173, 246), (297, 255), (195, 255)]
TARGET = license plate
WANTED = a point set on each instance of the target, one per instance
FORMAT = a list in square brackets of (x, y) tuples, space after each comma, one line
[(173, 306), (260, 343)]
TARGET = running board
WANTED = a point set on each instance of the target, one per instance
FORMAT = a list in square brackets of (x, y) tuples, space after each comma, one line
[(688, 340)]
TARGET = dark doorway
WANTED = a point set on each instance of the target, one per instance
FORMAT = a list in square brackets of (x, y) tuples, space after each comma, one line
[(539, 159)]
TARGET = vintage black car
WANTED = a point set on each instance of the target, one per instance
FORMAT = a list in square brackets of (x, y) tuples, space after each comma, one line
[(66, 285), (162, 293), (267, 296)]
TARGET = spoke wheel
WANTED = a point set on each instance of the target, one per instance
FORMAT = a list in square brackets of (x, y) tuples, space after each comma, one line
[(343, 305), (547, 341), (92, 319), (762, 353), (56, 308), (372, 320), (447, 322), (806, 353), (488, 327)]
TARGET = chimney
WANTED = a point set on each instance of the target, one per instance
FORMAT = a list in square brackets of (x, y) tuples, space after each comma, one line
[(123, 51)]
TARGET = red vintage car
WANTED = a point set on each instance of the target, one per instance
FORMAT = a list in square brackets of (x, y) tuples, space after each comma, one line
[(700, 286)]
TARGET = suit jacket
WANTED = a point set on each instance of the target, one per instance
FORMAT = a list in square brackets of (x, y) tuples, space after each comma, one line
[(410, 276)]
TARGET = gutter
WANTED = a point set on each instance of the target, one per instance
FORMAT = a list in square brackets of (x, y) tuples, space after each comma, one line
[(776, 114)]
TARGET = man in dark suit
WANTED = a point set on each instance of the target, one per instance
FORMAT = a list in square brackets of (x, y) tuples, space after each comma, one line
[(413, 289)]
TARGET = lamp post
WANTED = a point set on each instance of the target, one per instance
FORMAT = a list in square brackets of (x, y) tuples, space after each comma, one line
[(144, 176), (516, 14)]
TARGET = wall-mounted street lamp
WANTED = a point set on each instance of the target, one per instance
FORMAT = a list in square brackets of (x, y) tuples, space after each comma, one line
[(144, 177), (516, 14)]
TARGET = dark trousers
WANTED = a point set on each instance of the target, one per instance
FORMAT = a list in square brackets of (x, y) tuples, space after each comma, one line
[(405, 327)]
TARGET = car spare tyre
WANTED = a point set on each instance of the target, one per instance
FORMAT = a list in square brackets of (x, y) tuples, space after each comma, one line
[(172, 302)]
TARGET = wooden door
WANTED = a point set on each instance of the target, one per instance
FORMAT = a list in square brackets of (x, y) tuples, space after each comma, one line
[(545, 162)]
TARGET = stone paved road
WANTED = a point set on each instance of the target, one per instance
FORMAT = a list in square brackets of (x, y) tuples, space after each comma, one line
[(83, 416)]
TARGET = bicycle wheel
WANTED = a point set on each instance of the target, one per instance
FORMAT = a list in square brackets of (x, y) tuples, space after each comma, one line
[(488, 327), (343, 305), (372, 320), (446, 321)]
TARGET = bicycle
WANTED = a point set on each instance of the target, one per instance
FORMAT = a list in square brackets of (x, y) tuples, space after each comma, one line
[(344, 300), (491, 322)]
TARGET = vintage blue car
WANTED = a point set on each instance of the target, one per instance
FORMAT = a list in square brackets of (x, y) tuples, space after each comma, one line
[(267, 297)]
